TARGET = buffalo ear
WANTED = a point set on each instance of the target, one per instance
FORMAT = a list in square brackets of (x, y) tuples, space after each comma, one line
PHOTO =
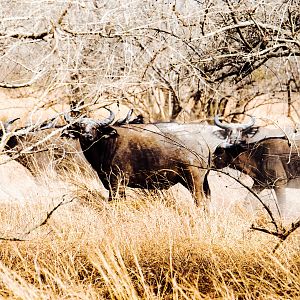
[(70, 134), (109, 132), (251, 132), (221, 133)]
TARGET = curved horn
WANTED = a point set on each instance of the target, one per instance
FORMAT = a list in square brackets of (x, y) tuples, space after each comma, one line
[(126, 120), (220, 124), (48, 124), (250, 123), (128, 116), (8, 123), (229, 126), (68, 117), (109, 120)]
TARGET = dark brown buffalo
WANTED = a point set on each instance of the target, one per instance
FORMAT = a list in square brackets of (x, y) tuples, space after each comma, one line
[(137, 156), (272, 163)]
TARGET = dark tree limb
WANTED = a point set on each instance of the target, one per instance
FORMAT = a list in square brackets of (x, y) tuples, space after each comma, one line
[(282, 234)]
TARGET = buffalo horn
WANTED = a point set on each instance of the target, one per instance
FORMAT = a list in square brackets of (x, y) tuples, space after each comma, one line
[(220, 124), (249, 124), (229, 126), (8, 123), (48, 124), (107, 121), (68, 117), (126, 119)]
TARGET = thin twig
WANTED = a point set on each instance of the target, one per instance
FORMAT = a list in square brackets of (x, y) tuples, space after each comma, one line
[(42, 223), (49, 214)]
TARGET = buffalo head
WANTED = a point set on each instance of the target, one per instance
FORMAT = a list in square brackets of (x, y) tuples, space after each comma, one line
[(235, 133), (87, 128)]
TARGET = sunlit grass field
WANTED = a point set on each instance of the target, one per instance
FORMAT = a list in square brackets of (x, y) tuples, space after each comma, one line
[(149, 246)]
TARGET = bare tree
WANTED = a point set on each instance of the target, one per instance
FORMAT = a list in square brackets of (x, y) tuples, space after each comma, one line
[(155, 56)]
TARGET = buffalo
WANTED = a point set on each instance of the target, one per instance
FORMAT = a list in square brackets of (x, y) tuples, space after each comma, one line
[(137, 156), (271, 163), (37, 146)]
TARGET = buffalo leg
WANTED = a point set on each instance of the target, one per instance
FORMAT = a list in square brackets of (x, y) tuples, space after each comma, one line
[(117, 189), (193, 181), (288, 205), (282, 202)]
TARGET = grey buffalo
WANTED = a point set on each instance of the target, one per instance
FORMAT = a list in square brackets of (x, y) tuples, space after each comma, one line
[(203, 139), (37, 146), (272, 163)]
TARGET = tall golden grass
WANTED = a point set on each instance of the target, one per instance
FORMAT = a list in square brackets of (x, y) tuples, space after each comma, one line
[(150, 246)]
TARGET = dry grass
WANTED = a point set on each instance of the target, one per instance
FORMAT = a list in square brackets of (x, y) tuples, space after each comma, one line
[(147, 247), (151, 246)]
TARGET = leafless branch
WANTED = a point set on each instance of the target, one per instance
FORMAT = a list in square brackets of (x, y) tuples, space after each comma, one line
[(32, 36), (266, 207), (40, 224), (49, 214), (22, 85), (282, 234)]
